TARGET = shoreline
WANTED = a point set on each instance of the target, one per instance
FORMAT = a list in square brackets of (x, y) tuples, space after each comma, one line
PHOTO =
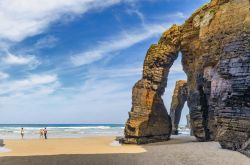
[(180, 150), (32, 138)]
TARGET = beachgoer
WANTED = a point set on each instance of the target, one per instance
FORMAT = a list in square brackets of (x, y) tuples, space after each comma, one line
[(45, 133), (41, 133), (22, 133)]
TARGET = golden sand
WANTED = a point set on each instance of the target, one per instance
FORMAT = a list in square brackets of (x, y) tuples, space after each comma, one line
[(88, 145)]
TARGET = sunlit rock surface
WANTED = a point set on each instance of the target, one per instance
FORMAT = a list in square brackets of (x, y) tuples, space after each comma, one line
[(215, 47), (178, 100), (148, 119)]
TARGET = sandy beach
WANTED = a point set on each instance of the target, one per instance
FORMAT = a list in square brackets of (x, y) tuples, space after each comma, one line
[(180, 150), (88, 145)]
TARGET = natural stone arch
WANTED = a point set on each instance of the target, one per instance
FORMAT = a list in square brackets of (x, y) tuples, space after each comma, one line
[(148, 120), (178, 100), (215, 46)]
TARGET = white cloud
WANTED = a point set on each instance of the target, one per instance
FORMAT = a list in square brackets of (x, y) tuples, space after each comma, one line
[(180, 15), (70, 104), (176, 16), (46, 42), (21, 19), (33, 83), (35, 80), (117, 72), (72, 108), (136, 12), (28, 60), (119, 42), (177, 68), (34, 97), (125, 39), (3, 75)]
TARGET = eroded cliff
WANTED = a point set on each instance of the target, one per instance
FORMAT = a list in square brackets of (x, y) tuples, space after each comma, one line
[(148, 120), (215, 47)]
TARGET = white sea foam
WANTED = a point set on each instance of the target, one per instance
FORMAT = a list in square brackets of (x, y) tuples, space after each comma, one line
[(184, 131), (115, 144), (3, 149), (71, 131), (13, 132)]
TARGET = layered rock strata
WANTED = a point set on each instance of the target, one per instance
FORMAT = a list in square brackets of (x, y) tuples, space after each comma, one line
[(216, 55), (215, 47), (178, 100), (148, 119)]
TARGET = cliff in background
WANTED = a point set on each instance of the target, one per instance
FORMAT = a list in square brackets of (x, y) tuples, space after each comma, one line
[(178, 100)]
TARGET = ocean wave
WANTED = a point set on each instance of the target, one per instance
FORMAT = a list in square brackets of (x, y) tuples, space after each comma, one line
[(62, 131)]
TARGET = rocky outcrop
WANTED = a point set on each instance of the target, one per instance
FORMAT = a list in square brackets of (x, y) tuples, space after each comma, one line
[(188, 121), (216, 55), (178, 100), (189, 124), (215, 47), (148, 120)]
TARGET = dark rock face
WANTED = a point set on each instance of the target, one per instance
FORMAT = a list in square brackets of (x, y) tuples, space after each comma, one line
[(188, 121), (215, 46), (178, 100), (216, 54)]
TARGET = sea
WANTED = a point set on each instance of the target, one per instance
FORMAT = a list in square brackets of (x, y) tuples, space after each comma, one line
[(32, 131)]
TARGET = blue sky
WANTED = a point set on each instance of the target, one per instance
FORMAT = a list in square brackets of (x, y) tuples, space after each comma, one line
[(76, 61)]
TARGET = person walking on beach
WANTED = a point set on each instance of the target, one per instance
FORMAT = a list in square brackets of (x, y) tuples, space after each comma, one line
[(45, 133), (22, 133), (41, 133)]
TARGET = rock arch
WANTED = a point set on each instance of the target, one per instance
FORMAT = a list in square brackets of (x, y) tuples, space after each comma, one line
[(178, 100), (215, 46), (148, 120)]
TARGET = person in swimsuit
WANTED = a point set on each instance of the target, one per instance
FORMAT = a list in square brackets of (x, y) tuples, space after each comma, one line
[(22, 133)]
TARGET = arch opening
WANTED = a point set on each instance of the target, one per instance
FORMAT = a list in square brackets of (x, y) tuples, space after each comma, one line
[(179, 99), (176, 98)]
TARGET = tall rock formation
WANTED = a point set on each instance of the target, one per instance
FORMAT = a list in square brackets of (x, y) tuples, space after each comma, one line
[(215, 47), (216, 54), (148, 120), (178, 100)]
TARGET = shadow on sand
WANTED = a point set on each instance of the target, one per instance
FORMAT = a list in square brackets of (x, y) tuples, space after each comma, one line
[(181, 150), (175, 139)]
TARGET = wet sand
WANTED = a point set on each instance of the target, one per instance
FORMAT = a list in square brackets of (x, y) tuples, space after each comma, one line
[(180, 150)]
